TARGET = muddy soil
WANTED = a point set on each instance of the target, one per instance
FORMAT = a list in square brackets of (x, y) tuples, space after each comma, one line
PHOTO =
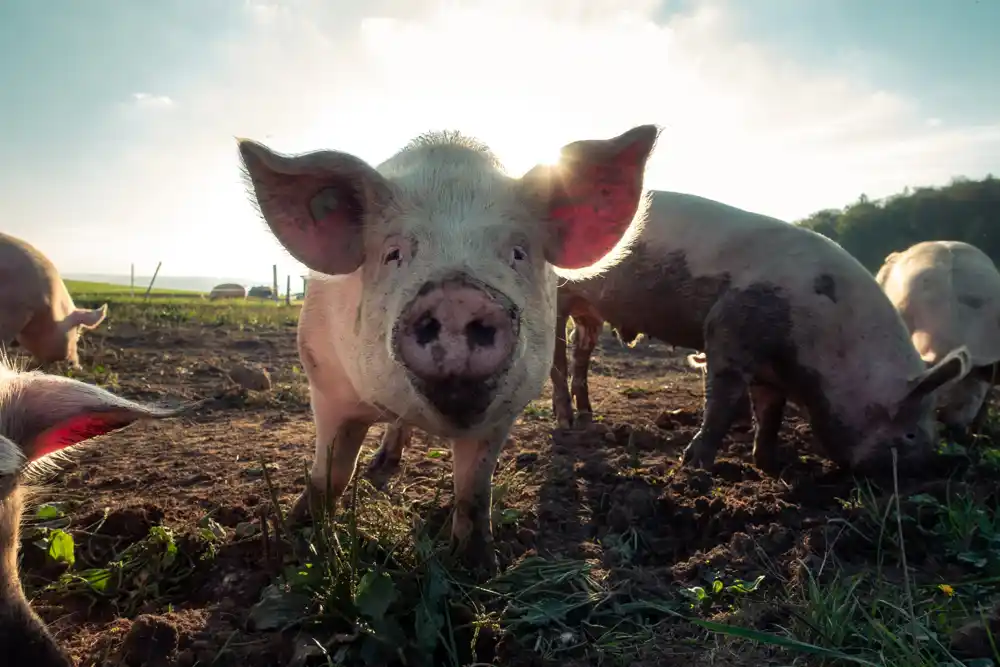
[(618, 476)]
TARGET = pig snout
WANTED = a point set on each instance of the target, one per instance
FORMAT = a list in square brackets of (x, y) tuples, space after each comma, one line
[(455, 338)]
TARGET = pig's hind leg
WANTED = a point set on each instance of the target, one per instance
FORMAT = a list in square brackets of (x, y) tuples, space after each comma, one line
[(768, 410), (585, 335), (338, 442)]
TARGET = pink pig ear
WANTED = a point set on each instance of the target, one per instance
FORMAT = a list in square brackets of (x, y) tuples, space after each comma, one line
[(315, 203), (592, 194), (88, 319), (46, 413)]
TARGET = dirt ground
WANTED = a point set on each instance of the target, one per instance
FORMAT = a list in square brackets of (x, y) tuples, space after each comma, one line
[(580, 488)]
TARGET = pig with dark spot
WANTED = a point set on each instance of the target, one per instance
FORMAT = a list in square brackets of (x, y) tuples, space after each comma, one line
[(35, 307), (948, 294), (431, 298), (41, 415), (781, 312)]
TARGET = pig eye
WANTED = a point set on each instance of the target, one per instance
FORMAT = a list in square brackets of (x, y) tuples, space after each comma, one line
[(517, 254), (394, 255)]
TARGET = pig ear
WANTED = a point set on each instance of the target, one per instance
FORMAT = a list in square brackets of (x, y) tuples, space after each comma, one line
[(315, 203), (88, 319), (954, 366), (591, 195), (46, 413)]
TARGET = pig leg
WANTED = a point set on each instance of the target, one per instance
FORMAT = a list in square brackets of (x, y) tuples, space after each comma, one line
[(562, 405), (385, 463), (724, 388), (588, 329), (338, 443), (768, 410), (474, 462)]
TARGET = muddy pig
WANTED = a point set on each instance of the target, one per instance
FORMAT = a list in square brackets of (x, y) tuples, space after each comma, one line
[(948, 294), (41, 415), (780, 311), (35, 307), (431, 301)]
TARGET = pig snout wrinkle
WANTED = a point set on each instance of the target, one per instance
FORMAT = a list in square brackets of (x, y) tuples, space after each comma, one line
[(455, 338)]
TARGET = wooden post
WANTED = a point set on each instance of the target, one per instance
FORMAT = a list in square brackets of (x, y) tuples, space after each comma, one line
[(288, 291), (155, 273), (275, 269), (305, 279), (131, 283)]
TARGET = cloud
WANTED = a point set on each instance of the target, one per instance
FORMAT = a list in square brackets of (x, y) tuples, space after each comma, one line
[(149, 101), (744, 123)]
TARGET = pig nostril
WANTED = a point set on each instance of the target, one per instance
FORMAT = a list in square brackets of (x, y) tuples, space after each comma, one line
[(426, 329), (479, 334)]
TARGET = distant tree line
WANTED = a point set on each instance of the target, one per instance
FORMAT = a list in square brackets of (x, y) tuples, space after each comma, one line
[(965, 210)]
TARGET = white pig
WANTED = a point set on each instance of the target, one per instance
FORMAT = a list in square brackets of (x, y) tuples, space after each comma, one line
[(948, 294), (39, 416), (431, 300), (35, 307)]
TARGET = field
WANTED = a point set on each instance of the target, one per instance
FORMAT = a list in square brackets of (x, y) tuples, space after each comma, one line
[(162, 544)]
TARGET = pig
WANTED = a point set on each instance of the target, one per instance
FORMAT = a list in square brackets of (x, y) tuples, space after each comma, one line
[(431, 295), (781, 312), (35, 307), (948, 293), (40, 416)]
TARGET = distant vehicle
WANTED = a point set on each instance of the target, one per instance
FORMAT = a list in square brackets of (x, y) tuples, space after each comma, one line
[(261, 292), (228, 291)]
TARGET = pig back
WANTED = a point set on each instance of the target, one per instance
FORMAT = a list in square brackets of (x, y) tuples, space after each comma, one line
[(948, 293), (27, 277)]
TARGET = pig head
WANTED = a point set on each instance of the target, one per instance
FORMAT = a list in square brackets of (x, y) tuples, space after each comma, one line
[(40, 415), (432, 298), (453, 313)]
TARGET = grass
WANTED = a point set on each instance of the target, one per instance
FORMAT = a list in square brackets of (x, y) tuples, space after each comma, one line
[(175, 307), (84, 287)]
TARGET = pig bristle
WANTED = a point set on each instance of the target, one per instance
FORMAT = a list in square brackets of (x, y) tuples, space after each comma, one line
[(453, 138), (39, 470)]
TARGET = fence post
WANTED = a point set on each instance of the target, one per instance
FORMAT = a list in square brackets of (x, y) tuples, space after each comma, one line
[(288, 291), (155, 273), (274, 268)]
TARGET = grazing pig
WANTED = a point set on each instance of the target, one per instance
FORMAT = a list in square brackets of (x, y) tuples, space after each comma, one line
[(36, 308), (780, 311), (948, 294), (431, 300), (40, 415)]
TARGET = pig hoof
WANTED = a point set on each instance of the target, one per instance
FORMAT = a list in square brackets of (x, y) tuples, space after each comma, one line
[(766, 463), (478, 557), (381, 469), (584, 419), (695, 457), (308, 507)]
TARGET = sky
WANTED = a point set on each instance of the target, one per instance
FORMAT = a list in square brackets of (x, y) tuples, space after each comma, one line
[(118, 120)]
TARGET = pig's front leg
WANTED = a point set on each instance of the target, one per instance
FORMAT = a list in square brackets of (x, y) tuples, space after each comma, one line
[(386, 461), (473, 464), (339, 437)]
